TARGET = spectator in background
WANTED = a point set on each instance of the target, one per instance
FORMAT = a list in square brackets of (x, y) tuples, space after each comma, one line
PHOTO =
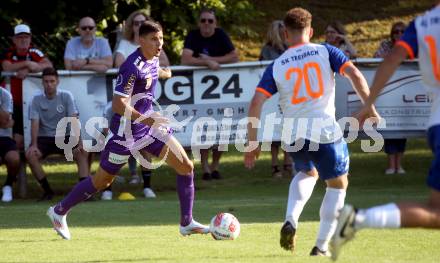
[(274, 47), (394, 148), (8, 148), (22, 58), (46, 110), (130, 42), (208, 46), (88, 52), (387, 45), (336, 35)]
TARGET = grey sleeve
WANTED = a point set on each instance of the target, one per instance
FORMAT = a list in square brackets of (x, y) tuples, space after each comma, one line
[(70, 104), (6, 101), (34, 113)]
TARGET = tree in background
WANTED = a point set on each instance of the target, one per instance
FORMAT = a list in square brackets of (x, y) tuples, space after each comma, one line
[(54, 22)]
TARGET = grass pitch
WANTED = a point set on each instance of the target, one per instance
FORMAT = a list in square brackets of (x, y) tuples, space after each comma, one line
[(147, 230)]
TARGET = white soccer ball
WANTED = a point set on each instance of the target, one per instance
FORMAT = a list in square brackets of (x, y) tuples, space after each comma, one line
[(224, 226)]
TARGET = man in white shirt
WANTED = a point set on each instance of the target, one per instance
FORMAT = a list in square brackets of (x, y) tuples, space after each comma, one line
[(88, 52)]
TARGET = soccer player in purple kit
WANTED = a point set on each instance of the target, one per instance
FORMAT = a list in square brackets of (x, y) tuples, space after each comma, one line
[(137, 78)]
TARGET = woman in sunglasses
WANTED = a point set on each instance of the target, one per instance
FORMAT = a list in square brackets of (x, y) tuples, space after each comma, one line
[(130, 41), (336, 35), (394, 148), (385, 47)]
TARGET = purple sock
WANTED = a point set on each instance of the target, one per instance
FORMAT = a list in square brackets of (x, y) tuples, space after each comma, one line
[(82, 191), (185, 190)]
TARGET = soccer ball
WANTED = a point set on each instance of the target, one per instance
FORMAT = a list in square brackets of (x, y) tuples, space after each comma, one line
[(224, 226)]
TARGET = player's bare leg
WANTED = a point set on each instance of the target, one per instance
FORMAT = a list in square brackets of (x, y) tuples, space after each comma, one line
[(425, 215), (177, 158)]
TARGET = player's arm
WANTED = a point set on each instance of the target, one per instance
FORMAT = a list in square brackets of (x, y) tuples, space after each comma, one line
[(255, 107), (252, 151), (265, 89), (358, 81), (121, 105), (384, 72), (165, 73)]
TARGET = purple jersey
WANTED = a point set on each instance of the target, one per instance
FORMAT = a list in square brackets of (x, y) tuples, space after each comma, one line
[(137, 77)]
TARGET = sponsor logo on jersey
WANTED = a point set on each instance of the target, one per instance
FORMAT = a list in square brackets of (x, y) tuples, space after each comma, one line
[(117, 158), (130, 83)]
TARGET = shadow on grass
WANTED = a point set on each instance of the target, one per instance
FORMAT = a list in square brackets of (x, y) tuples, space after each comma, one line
[(252, 196)]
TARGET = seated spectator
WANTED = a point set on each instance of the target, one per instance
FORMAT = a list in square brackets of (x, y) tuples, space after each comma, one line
[(208, 46), (394, 148), (46, 110), (23, 58), (88, 52), (336, 35), (387, 45), (148, 192), (8, 148), (274, 47), (130, 42)]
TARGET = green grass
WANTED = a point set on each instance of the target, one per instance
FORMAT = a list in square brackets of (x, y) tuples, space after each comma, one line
[(147, 230)]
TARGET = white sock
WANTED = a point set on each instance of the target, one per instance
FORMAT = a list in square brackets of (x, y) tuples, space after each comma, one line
[(331, 204), (300, 190), (384, 216)]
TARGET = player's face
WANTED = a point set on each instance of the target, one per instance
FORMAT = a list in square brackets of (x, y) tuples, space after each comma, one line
[(50, 84), (207, 24), (151, 44), (22, 41)]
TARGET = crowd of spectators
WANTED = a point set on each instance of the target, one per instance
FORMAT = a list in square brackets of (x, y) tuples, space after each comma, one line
[(208, 45)]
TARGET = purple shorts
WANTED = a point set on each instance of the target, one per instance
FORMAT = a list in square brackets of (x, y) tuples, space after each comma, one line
[(118, 149)]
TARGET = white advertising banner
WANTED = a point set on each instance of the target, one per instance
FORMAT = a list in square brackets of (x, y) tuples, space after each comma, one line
[(213, 105)]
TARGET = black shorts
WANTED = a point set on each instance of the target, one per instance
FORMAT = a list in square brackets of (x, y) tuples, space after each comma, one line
[(6, 145), (47, 146), (18, 120)]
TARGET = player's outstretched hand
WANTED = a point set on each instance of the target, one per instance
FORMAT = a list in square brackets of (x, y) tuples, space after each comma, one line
[(367, 112), (156, 120), (250, 156)]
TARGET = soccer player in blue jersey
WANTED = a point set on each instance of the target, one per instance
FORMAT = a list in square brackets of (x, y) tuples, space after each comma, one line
[(135, 127), (304, 78), (422, 39)]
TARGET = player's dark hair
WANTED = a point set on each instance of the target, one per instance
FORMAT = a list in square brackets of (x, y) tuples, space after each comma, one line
[(50, 72), (148, 27), (298, 19)]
